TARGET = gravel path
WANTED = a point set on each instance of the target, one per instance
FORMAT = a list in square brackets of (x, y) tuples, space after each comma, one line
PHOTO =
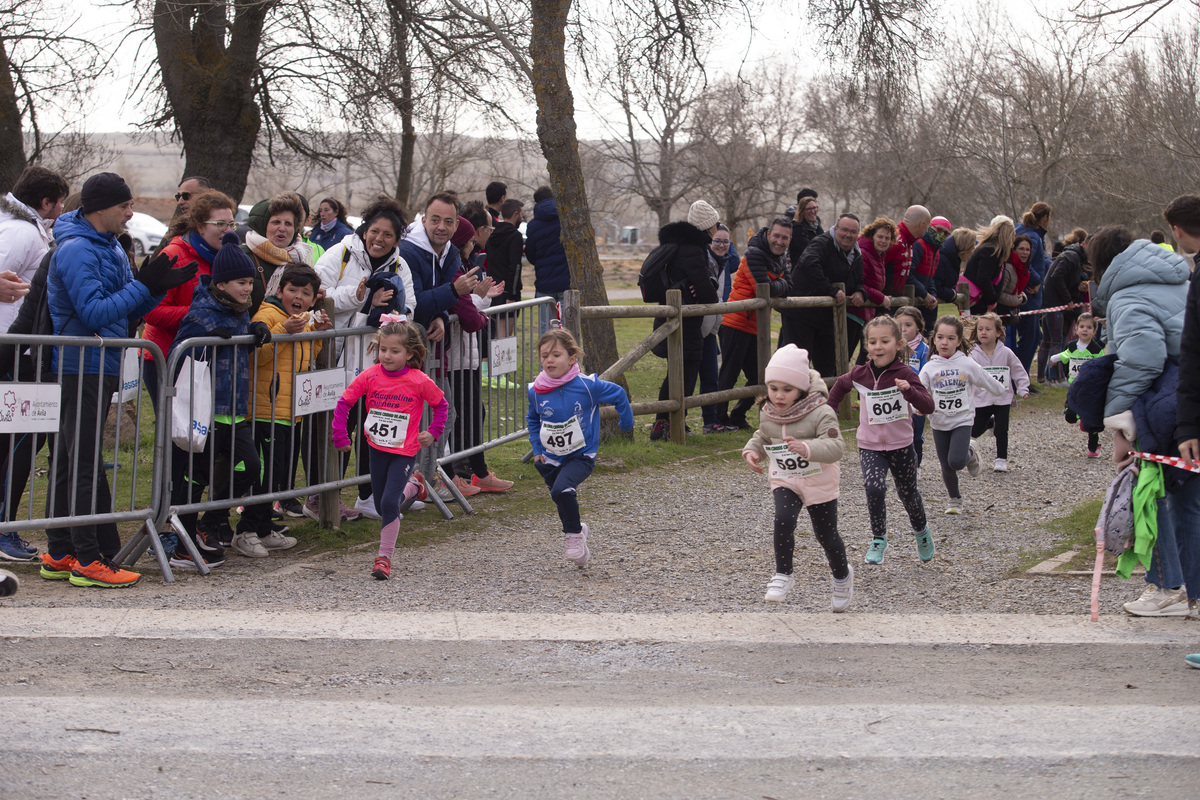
[(693, 536)]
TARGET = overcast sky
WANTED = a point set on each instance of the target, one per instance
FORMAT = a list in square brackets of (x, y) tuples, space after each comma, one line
[(779, 36)]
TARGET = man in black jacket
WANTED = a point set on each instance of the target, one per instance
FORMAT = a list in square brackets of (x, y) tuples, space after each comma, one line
[(1183, 215), (833, 257), (690, 272), (505, 250)]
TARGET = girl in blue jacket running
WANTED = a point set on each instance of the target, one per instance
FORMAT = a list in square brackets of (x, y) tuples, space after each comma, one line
[(564, 429)]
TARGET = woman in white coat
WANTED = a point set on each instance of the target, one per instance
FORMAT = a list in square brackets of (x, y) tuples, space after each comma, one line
[(345, 270)]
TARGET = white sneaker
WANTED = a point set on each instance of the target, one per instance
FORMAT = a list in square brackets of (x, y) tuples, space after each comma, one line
[(778, 588), (1156, 602), (1001, 465), (973, 465), (417, 505), (843, 593), (576, 549), (367, 507), (954, 506), (277, 541), (248, 544)]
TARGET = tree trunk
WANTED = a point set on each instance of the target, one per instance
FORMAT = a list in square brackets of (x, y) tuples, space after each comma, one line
[(560, 146), (12, 142), (209, 85), (408, 132)]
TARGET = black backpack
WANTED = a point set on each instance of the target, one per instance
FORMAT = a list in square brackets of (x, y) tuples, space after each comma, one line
[(653, 279)]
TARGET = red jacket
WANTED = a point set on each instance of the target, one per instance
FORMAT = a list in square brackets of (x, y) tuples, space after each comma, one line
[(162, 321), (874, 275)]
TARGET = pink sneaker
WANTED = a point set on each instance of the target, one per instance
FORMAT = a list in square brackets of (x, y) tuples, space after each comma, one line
[(577, 550)]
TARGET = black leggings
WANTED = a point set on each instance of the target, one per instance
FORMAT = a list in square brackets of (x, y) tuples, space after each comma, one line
[(903, 465), (983, 415), (824, 522), (953, 450)]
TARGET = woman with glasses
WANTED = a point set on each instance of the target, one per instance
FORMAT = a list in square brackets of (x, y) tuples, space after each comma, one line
[(196, 236)]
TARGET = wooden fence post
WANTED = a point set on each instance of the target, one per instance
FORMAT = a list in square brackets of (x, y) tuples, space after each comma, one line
[(763, 317), (840, 347), (675, 368)]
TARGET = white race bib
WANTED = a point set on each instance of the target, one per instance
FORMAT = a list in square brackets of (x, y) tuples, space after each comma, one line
[(883, 405), (914, 363), (786, 464), (386, 428), (1073, 366), (951, 400), (999, 374), (562, 438)]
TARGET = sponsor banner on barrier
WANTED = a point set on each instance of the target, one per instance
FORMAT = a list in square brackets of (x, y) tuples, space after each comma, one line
[(29, 407), (318, 391), (505, 357)]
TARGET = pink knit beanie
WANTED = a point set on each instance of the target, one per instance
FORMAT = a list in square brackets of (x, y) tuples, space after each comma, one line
[(790, 365)]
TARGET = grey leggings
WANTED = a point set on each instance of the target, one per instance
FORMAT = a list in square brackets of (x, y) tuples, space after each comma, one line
[(953, 452), (903, 466)]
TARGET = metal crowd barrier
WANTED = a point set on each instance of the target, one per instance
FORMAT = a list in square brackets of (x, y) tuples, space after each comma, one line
[(483, 373), (43, 399)]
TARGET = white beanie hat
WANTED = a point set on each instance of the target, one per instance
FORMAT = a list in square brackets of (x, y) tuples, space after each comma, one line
[(790, 365), (702, 215)]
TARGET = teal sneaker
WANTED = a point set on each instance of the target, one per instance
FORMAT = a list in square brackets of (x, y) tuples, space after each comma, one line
[(1193, 660), (924, 544), (875, 551)]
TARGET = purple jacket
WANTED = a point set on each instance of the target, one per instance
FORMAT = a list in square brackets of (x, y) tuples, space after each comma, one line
[(888, 435)]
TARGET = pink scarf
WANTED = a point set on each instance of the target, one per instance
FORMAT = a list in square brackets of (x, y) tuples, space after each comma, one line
[(544, 384)]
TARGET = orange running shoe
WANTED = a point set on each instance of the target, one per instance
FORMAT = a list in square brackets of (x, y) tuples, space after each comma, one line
[(104, 574), (465, 487), (58, 569), (491, 483)]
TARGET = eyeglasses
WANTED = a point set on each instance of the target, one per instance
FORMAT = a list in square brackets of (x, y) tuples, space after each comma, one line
[(722, 242), (220, 224), (182, 196)]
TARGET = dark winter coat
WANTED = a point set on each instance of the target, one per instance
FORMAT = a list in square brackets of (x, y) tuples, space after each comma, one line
[(33, 318), (823, 264), (432, 275), (983, 268), (949, 270), (1064, 277), (1187, 412), (231, 370), (1154, 413), (803, 232), (327, 239), (1039, 265), (689, 271), (544, 249), (1085, 395), (505, 249)]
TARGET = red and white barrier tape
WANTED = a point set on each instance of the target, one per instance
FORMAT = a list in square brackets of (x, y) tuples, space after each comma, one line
[(1190, 466), (965, 313)]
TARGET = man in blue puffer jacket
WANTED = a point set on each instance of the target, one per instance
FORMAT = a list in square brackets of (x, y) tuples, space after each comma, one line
[(91, 292), (435, 265), (544, 249)]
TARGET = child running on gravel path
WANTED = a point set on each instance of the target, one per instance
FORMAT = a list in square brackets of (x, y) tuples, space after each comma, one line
[(396, 395), (1002, 364), (887, 386), (950, 376), (912, 326), (798, 434), (564, 429), (1075, 355)]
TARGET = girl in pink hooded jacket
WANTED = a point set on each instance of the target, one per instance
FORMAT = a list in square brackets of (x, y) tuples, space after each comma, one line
[(887, 387), (799, 437)]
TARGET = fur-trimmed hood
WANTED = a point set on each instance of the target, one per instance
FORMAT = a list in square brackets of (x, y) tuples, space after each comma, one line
[(683, 233)]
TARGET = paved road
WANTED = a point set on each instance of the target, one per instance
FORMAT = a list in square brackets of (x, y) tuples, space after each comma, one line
[(204, 704)]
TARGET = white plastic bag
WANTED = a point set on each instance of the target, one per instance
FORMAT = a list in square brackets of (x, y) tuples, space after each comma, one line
[(191, 409), (130, 376)]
